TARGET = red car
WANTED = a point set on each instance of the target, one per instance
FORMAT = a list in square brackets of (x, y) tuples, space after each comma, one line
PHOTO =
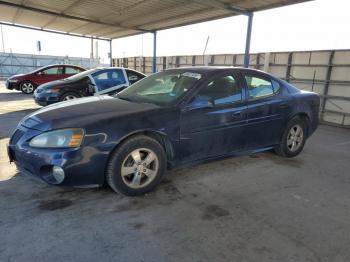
[(28, 82)]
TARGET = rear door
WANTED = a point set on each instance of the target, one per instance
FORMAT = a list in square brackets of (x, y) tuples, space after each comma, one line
[(71, 70), (267, 108), (219, 129)]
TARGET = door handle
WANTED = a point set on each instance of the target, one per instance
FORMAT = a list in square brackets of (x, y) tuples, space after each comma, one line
[(237, 115), (283, 105)]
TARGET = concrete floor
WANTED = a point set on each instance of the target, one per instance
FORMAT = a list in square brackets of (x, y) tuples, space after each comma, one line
[(252, 208)]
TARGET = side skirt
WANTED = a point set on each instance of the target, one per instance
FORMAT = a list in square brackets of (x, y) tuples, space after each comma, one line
[(174, 166)]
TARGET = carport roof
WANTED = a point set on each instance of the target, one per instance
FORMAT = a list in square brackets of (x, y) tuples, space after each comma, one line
[(112, 19)]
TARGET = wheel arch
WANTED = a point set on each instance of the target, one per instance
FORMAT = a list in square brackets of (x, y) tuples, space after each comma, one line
[(68, 92), (160, 137), (304, 116)]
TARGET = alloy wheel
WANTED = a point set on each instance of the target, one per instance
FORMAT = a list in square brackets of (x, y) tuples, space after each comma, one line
[(139, 168), (295, 138), (27, 88)]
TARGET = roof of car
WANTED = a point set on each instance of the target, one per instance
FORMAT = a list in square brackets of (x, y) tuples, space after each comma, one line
[(214, 69), (64, 65)]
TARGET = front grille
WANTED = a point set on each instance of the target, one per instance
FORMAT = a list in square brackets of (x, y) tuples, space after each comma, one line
[(16, 137)]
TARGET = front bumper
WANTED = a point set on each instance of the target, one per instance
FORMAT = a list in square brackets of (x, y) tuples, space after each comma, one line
[(12, 85), (44, 99), (82, 166)]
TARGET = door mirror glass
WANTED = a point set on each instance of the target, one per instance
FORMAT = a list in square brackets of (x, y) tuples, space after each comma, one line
[(201, 101)]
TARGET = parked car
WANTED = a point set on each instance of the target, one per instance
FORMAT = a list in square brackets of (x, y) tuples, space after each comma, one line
[(91, 82), (27, 83), (172, 118)]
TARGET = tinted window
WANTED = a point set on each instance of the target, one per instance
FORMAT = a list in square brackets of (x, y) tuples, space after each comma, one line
[(258, 87), (72, 70), (56, 70), (133, 77), (222, 90), (105, 79)]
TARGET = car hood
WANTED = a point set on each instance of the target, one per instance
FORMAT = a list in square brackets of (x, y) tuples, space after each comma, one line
[(15, 76), (55, 83), (83, 112)]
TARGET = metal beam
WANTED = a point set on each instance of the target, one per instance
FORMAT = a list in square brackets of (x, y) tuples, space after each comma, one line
[(154, 62), (110, 52), (223, 6), (247, 41), (47, 12), (53, 32)]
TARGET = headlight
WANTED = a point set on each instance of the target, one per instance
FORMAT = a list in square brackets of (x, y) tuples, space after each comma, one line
[(53, 90), (58, 138), (13, 80)]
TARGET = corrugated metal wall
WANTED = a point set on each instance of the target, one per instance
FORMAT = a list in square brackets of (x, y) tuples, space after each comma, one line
[(325, 72), (12, 64)]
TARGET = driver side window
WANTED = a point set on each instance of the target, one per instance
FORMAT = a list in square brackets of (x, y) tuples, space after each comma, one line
[(222, 90)]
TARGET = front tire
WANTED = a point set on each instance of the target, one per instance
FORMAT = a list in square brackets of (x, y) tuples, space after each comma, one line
[(293, 139), (137, 166), (27, 87)]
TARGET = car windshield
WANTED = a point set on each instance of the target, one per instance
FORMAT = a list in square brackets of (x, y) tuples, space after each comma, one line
[(163, 88), (81, 74)]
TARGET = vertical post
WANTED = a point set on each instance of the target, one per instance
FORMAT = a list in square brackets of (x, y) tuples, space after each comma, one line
[(267, 62), (247, 41), (154, 64), (289, 66), (110, 52), (328, 79), (92, 48)]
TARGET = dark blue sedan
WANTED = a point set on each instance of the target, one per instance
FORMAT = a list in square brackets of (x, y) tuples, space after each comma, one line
[(172, 118)]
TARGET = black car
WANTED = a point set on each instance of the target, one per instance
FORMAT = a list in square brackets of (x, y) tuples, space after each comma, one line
[(91, 82), (175, 117)]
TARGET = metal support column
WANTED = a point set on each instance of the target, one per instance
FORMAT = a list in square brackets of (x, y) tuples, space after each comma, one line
[(110, 52), (154, 64), (247, 41)]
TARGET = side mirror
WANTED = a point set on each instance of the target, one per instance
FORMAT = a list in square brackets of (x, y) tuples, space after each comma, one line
[(201, 102)]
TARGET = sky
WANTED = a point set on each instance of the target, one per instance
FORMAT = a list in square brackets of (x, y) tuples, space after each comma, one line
[(315, 25)]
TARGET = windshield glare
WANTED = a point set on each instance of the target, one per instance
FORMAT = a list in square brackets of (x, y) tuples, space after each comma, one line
[(163, 88)]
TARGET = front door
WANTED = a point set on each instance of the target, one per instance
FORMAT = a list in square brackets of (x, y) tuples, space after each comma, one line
[(216, 129), (49, 74)]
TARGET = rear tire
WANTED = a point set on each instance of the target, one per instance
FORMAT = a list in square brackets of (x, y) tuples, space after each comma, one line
[(27, 87), (137, 166), (293, 139), (69, 96)]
